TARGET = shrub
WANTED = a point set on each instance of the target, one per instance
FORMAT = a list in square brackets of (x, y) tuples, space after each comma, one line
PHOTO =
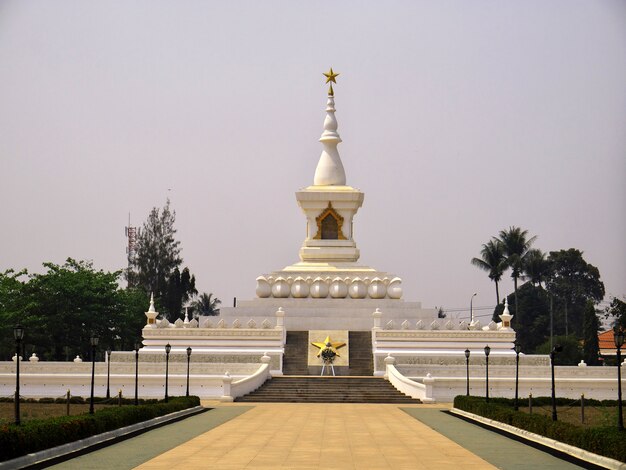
[(607, 441), (36, 435)]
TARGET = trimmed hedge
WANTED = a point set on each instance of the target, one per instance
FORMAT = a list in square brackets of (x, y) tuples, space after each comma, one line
[(77, 399), (36, 435), (602, 440)]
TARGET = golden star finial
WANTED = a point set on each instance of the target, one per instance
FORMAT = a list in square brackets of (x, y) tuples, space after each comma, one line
[(328, 344), (331, 77)]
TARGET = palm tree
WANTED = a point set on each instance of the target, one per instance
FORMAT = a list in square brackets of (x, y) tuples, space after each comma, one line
[(536, 267), (493, 261), (207, 304), (516, 246)]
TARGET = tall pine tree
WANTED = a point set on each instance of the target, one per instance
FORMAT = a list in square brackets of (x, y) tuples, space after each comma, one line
[(156, 266)]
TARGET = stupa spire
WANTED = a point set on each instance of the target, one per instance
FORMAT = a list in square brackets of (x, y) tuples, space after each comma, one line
[(329, 171)]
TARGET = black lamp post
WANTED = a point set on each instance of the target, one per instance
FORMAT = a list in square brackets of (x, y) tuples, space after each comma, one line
[(467, 355), (168, 348), (188, 359), (618, 337), (108, 372), (18, 333), (487, 351), (556, 349), (94, 342), (137, 347), (518, 349)]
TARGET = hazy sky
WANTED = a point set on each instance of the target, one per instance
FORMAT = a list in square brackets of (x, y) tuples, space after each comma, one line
[(458, 119)]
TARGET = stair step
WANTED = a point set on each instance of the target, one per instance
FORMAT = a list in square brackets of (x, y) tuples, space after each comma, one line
[(327, 390)]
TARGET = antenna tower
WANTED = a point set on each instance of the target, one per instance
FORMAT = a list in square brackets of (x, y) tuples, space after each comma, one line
[(132, 233)]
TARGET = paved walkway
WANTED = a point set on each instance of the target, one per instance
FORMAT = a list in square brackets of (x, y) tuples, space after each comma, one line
[(137, 450), (495, 448), (312, 436)]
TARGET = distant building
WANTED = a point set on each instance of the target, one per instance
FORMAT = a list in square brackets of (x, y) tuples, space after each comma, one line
[(606, 344)]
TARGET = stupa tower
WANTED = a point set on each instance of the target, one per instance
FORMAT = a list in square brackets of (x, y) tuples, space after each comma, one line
[(329, 205), (329, 171), (328, 267), (328, 288)]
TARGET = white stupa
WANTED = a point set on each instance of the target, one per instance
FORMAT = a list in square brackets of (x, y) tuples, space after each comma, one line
[(328, 287)]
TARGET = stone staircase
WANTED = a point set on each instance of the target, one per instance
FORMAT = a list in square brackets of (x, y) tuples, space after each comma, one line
[(308, 389), (297, 346), (361, 359), (295, 357)]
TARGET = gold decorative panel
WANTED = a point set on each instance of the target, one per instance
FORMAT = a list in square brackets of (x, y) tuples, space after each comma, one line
[(329, 225), (316, 336)]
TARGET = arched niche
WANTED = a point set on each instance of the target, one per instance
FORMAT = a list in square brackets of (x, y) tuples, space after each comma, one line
[(329, 225)]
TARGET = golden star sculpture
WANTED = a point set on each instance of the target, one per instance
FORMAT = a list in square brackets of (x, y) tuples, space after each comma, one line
[(331, 77), (328, 344)]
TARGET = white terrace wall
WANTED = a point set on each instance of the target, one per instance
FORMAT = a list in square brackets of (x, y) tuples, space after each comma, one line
[(442, 382), (440, 343), (220, 345), (217, 350), (54, 379), (434, 355)]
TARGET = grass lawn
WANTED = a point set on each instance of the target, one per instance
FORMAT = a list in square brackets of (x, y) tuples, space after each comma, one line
[(30, 411), (594, 416), (45, 424), (598, 434)]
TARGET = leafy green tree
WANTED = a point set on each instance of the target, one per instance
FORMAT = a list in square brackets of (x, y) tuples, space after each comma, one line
[(536, 267), (62, 307), (12, 305), (181, 287), (616, 312), (206, 304), (493, 261), (68, 304), (573, 282), (572, 351), (591, 326), (130, 318), (534, 327), (516, 245)]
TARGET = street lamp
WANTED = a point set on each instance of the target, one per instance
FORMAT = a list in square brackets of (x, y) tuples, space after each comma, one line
[(518, 349), (618, 337), (487, 351), (188, 359), (108, 372), (467, 355), (471, 308), (556, 349), (137, 347), (94, 342), (18, 333), (168, 348)]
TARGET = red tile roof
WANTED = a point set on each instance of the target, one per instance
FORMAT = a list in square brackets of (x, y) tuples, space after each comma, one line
[(606, 341)]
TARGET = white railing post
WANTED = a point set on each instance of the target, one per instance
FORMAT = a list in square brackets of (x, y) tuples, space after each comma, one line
[(265, 359), (377, 316), (280, 323), (429, 381), (389, 361), (280, 318), (227, 380)]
